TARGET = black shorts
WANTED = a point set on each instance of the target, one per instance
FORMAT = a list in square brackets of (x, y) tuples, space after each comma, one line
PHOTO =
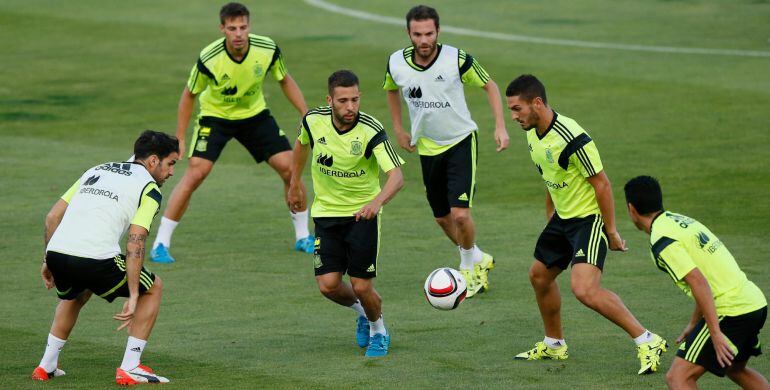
[(105, 278), (573, 240), (260, 135), (343, 244), (742, 331), (450, 177)]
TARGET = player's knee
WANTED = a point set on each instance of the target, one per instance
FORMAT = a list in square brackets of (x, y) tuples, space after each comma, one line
[(461, 217), (328, 289), (584, 293), (673, 379), (537, 278), (362, 289)]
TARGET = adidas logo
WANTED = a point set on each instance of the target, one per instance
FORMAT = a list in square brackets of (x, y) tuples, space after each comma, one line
[(225, 77), (580, 253), (322, 140), (439, 78), (370, 269), (463, 197), (136, 349), (91, 180), (325, 160)]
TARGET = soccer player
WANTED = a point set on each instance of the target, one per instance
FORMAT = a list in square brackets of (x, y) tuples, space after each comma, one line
[(580, 211), (82, 236), (228, 76), (431, 76), (723, 332), (348, 147)]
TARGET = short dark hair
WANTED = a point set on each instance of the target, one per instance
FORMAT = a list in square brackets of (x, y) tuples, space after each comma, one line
[(232, 10), (422, 12), (528, 87), (154, 142), (342, 78), (644, 193)]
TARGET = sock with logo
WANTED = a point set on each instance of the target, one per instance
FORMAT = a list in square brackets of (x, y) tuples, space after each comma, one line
[(645, 337), (358, 308), (554, 343), (377, 327), (299, 219), (51, 356), (165, 231), (133, 355)]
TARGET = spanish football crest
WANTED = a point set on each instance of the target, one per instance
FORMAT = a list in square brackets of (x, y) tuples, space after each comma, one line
[(258, 70), (549, 156), (356, 148)]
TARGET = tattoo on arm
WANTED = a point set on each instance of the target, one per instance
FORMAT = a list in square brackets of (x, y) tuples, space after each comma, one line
[(136, 245)]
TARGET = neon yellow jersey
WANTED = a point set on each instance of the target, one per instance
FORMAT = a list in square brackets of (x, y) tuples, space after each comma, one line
[(565, 156), (679, 244), (230, 89), (345, 164)]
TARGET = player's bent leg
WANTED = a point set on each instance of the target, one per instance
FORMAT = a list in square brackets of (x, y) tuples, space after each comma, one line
[(448, 226), (65, 317), (543, 280), (745, 377), (683, 374), (586, 279), (335, 289), (146, 313), (379, 337), (466, 230)]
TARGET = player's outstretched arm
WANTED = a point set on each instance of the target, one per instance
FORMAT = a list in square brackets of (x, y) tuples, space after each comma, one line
[(291, 89), (493, 96), (394, 184), (705, 301), (606, 201), (52, 221), (184, 113), (135, 251), (403, 138), (296, 196)]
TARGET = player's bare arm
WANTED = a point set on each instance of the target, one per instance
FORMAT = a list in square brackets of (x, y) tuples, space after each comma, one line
[(52, 220), (403, 138), (296, 195), (606, 201), (135, 251), (292, 92), (705, 301), (493, 96), (394, 184), (184, 112)]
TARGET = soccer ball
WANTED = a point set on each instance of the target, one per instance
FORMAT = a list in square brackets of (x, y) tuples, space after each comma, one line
[(445, 288)]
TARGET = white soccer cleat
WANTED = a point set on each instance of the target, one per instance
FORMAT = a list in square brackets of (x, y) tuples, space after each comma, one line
[(140, 374)]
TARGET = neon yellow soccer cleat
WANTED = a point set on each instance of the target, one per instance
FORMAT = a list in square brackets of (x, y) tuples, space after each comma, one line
[(649, 354), (544, 352)]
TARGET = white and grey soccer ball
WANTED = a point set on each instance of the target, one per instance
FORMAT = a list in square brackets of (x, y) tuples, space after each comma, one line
[(445, 288)]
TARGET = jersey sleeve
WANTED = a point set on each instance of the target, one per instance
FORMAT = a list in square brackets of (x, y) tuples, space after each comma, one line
[(671, 256), (471, 72), (389, 84), (67, 196), (304, 132), (383, 152), (149, 205), (278, 66), (586, 158), (199, 78)]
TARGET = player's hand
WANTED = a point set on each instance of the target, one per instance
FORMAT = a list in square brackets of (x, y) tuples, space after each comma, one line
[(295, 198), (405, 141), (725, 353), (127, 315), (502, 139), (685, 332), (616, 242), (369, 211), (45, 273)]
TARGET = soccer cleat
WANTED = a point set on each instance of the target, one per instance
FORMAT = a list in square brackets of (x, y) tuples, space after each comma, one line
[(472, 282), (649, 354), (362, 331), (40, 374), (482, 270), (306, 244), (544, 352), (140, 374), (378, 345), (160, 254)]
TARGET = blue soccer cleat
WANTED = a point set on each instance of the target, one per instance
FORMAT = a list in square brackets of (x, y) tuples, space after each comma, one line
[(306, 244), (160, 254), (378, 345), (362, 331)]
